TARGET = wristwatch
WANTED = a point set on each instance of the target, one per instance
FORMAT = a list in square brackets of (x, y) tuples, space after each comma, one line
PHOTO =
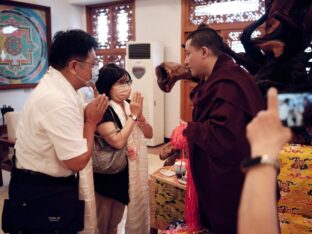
[(249, 163), (135, 118)]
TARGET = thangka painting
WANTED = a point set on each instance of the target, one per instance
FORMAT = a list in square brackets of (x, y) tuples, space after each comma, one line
[(25, 37)]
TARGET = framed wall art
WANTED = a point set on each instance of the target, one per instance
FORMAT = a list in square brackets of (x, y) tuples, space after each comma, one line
[(25, 37)]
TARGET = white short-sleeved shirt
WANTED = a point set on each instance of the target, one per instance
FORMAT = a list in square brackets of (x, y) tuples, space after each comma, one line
[(50, 129)]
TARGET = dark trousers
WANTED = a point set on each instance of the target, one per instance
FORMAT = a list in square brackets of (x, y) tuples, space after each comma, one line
[(36, 179)]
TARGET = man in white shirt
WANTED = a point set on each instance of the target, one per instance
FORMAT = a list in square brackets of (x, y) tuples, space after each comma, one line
[(55, 133), (54, 137)]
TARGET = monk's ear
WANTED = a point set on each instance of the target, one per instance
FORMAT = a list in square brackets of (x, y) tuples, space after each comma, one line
[(205, 51)]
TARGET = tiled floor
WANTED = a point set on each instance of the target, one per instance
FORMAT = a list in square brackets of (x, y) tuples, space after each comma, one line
[(154, 164)]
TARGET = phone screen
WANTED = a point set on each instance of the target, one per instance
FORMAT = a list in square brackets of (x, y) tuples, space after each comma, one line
[(295, 109)]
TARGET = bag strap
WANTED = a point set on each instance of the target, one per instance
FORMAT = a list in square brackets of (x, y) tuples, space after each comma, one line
[(115, 122), (116, 130)]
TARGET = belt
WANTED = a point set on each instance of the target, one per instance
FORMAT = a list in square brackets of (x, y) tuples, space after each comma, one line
[(23, 176)]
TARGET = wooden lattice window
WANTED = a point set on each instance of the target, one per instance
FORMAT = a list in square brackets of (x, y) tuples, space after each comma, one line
[(112, 24), (232, 38), (225, 11)]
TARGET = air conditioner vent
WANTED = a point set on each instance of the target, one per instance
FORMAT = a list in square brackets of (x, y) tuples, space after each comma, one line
[(139, 51)]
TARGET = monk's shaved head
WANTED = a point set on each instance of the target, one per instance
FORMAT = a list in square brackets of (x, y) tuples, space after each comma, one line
[(208, 37)]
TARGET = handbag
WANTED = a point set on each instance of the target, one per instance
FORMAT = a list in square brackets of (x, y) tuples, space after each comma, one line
[(107, 159), (36, 208)]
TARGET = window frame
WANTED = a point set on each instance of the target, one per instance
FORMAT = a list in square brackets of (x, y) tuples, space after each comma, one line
[(89, 13)]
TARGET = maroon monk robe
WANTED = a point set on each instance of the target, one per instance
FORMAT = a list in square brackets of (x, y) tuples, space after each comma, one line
[(223, 105)]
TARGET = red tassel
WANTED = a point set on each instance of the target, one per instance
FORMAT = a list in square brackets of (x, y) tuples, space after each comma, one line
[(179, 141), (191, 201)]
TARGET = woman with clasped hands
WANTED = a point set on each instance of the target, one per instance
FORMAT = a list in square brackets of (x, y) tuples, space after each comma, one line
[(114, 190)]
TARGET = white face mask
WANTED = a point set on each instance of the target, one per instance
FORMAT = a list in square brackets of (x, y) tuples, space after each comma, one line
[(94, 77), (95, 74), (120, 93)]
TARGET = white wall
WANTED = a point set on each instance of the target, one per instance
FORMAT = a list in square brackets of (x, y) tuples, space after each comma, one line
[(63, 16), (160, 20)]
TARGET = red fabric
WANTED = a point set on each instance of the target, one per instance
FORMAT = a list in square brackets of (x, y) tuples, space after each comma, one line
[(191, 212), (177, 140)]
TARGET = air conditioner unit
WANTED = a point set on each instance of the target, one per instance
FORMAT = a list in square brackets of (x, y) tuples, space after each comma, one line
[(141, 61)]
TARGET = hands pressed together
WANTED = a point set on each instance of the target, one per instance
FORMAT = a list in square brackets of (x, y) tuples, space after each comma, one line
[(136, 105), (136, 108), (95, 109)]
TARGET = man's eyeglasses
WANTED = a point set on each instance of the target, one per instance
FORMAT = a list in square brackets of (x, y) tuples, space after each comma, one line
[(95, 64), (94, 69)]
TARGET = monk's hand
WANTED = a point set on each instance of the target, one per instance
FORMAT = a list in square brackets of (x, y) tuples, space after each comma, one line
[(94, 111), (265, 132), (136, 104)]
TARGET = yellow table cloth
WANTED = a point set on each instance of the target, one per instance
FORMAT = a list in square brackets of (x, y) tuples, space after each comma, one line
[(295, 181)]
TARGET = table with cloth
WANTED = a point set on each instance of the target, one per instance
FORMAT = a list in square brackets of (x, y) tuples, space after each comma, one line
[(167, 198)]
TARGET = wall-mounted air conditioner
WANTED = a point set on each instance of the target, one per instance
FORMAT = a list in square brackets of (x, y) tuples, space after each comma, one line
[(141, 60)]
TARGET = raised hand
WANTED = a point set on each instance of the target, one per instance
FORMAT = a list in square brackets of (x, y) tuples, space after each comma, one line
[(95, 91), (136, 104), (95, 109), (265, 132)]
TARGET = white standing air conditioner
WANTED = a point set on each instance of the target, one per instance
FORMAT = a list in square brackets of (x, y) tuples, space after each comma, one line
[(141, 61)]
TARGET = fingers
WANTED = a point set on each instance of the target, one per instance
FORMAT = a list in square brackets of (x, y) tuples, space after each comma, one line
[(137, 97), (96, 100), (272, 100), (136, 103), (102, 103), (95, 91), (106, 104), (134, 97), (139, 101)]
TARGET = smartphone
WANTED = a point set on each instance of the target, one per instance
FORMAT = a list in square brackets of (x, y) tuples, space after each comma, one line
[(295, 109)]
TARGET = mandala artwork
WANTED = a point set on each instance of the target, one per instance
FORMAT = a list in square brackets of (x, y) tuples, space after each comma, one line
[(23, 45)]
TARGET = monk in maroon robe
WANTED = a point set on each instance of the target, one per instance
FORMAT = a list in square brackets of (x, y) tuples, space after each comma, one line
[(225, 101)]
